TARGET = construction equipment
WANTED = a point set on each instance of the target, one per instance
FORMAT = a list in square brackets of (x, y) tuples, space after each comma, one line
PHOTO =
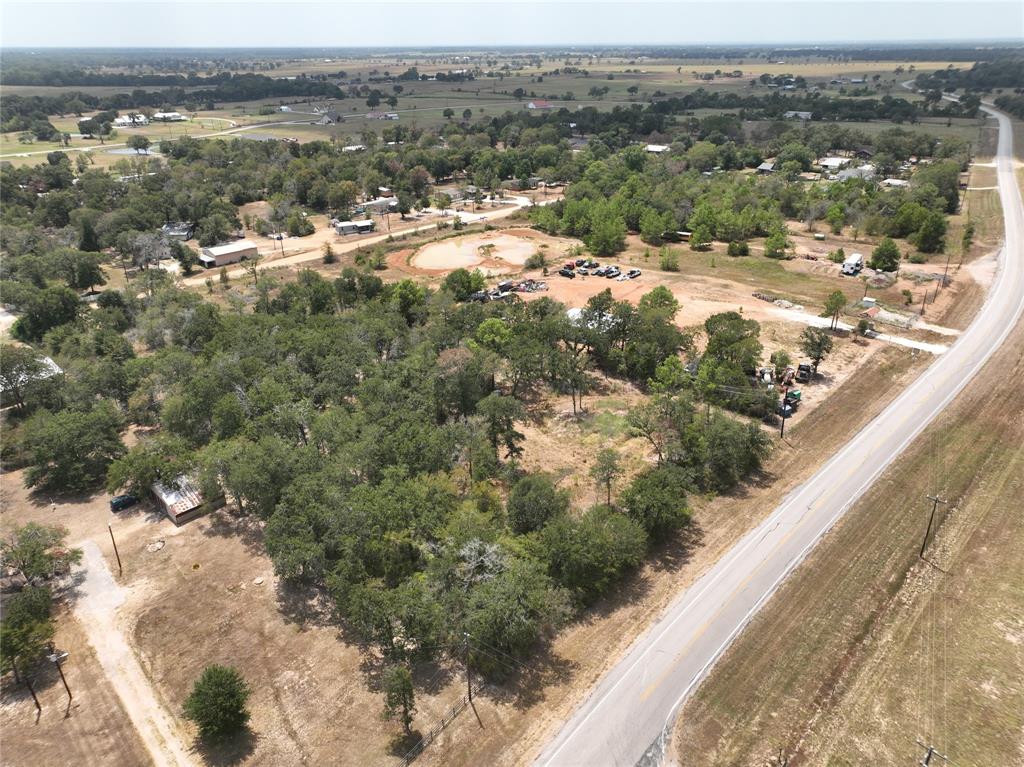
[(803, 373)]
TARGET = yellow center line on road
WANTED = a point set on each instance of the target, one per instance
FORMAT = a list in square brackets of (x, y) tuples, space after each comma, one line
[(817, 502)]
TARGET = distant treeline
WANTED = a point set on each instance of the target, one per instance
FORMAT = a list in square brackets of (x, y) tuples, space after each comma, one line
[(983, 76), (636, 121), (58, 77), (17, 112)]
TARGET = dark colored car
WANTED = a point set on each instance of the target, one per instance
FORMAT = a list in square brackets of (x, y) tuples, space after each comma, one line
[(122, 502), (567, 273), (581, 262)]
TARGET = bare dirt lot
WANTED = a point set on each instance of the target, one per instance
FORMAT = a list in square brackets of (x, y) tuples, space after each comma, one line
[(493, 253)]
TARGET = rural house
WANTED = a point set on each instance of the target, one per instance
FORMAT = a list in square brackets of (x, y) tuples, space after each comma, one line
[(353, 227)]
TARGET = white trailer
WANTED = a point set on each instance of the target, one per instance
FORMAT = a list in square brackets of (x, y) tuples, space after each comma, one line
[(853, 264)]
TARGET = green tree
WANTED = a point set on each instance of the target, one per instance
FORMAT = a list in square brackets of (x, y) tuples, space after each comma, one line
[(217, 703), (533, 501), (656, 500), (816, 343), (607, 231), (510, 611), (500, 413), (606, 469), (38, 552), (700, 237), (27, 627), (399, 695), (885, 257), (589, 554), (20, 370), (836, 217), (930, 237), (775, 245), (69, 451), (162, 459), (138, 143), (462, 283), (834, 305)]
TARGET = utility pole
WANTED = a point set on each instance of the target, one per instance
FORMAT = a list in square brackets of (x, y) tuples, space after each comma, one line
[(469, 680), (929, 753), (56, 658), (931, 518), (120, 570)]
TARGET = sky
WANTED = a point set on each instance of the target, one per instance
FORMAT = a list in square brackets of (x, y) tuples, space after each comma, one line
[(438, 23)]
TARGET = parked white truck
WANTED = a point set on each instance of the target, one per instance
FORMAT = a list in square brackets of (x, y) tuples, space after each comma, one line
[(853, 264)]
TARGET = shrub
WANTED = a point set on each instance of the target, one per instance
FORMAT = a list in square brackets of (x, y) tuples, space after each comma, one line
[(668, 260), (738, 248), (918, 258), (217, 702), (537, 261), (534, 501), (656, 499), (837, 256)]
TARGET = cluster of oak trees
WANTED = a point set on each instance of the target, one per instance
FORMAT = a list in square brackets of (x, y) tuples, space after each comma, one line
[(373, 428)]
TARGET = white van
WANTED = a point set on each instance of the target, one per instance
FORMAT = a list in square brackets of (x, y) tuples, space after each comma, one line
[(853, 264)]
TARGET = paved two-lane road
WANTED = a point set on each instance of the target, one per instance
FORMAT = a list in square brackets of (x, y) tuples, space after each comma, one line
[(630, 711)]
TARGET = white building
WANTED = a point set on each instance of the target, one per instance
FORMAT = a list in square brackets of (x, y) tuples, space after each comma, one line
[(353, 227), (793, 115), (834, 163), (231, 253), (130, 121), (656, 148), (894, 183), (169, 117)]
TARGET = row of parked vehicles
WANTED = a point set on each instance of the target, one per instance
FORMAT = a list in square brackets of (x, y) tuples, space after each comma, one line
[(587, 266), (504, 291)]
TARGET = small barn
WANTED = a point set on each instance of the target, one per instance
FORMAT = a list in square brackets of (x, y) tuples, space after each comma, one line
[(231, 253), (182, 500)]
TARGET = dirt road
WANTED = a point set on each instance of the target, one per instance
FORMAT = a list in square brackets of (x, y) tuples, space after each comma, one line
[(96, 608), (313, 254)]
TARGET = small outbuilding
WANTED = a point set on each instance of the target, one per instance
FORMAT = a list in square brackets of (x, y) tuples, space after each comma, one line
[(656, 148), (182, 501), (231, 253), (768, 166)]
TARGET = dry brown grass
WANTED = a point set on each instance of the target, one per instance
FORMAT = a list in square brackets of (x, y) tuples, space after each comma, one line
[(93, 730)]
